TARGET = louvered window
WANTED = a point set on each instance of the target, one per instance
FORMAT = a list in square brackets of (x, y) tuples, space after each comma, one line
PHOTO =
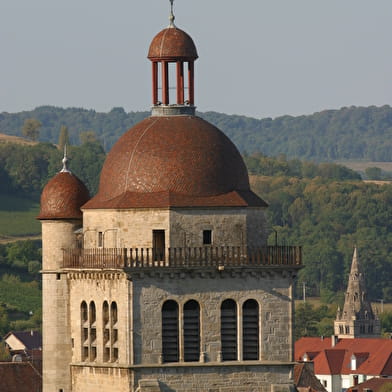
[(93, 331), (229, 330), (170, 332), (191, 331), (113, 332), (84, 330), (106, 331), (250, 330)]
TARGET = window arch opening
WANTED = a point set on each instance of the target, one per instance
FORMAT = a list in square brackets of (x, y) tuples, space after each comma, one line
[(229, 330), (191, 331), (250, 330), (170, 338)]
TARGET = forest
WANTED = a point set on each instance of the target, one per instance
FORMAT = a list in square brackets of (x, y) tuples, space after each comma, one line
[(350, 133)]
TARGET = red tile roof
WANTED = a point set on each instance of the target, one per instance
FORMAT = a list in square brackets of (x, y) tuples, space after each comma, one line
[(373, 384), (170, 199), (374, 356), (19, 377)]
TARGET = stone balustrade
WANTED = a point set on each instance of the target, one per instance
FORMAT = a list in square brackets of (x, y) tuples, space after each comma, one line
[(211, 256)]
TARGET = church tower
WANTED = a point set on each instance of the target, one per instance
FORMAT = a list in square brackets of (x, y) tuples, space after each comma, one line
[(357, 319), (174, 287)]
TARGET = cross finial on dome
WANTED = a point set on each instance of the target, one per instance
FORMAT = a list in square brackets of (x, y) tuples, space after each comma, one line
[(65, 161), (171, 17)]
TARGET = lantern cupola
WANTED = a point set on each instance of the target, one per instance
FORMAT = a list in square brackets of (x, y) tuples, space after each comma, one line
[(172, 53)]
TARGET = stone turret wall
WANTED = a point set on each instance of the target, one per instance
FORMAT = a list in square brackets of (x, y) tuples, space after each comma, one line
[(56, 235)]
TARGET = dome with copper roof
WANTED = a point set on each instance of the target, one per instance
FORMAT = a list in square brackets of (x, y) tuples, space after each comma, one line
[(172, 44), (63, 196), (182, 159), (173, 158)]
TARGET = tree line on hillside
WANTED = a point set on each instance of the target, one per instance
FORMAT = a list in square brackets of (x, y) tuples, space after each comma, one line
[(328, 218), (351, 133), (24, 170)]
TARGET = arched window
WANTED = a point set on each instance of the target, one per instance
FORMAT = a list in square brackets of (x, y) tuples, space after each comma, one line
[(84, 330), (170, 341), (191, 331), (229, 330), (250, 330), (106, 331), (93, 331), (114, 331)]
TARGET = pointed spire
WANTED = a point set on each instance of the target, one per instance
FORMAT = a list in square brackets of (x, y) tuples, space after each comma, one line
[(65, 161), (171, 17), (354, 263)]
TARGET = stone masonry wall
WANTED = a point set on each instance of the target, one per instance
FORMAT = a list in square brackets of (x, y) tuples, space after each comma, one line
[(210, 288), (260, 378), (56, 235), (99, 287), (183, 227)]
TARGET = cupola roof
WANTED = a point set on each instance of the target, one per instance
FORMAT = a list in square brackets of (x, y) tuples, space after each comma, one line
[(63, 196), (174, 155)]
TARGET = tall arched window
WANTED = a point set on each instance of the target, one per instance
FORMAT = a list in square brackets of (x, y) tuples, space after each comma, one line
[(229, 330), (114, 331), (93, 331), (170, 341), (84, 330), (191, 331), (106, 331), (250, 330)]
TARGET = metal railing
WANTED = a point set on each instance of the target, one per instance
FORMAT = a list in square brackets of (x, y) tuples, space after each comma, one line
[(211, 256)]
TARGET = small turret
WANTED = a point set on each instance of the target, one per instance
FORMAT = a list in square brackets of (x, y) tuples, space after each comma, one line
[(60, 216)]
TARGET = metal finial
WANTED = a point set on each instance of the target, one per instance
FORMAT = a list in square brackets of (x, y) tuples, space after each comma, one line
[(65, 161), (171, 17)]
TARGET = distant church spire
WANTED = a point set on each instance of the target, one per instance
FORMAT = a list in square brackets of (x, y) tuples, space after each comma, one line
[(357, 318)]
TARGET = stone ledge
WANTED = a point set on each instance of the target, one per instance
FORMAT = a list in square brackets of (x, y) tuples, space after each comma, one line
[(185, 365)]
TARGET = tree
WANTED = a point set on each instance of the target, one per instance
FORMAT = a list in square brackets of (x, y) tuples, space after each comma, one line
[(88, 137), (63, 137), (31, 128), (373, 173)]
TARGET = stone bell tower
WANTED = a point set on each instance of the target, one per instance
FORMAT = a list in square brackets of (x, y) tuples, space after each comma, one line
[(175, 287), (357, 320)]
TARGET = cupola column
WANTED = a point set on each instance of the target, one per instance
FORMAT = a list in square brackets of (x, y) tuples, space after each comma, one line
[(180, 83), (191, 83), (154, 82)]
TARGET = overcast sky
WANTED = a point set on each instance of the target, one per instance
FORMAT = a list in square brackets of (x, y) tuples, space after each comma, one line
[(256, 57)]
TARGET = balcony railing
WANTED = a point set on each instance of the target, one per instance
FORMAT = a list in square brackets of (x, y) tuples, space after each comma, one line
[(225, 256)]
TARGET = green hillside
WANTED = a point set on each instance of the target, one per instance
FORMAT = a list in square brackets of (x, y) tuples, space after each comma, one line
[(18, 217), (351, 133)]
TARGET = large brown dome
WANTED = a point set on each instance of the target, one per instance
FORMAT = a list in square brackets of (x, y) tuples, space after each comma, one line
[(62, 197), (172, 44), (171, 155)]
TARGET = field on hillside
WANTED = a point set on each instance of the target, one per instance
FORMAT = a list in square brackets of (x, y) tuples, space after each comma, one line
[(360, 166), (18, 217), (15, 139)]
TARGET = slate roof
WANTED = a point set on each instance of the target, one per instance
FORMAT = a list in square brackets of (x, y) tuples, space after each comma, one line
[(31, 339), (374, 356)]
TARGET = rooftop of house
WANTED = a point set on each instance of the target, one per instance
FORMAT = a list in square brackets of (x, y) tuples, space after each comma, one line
[(19, 377), (374, 385), (305, 380), (371, 356), (29, 339)]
